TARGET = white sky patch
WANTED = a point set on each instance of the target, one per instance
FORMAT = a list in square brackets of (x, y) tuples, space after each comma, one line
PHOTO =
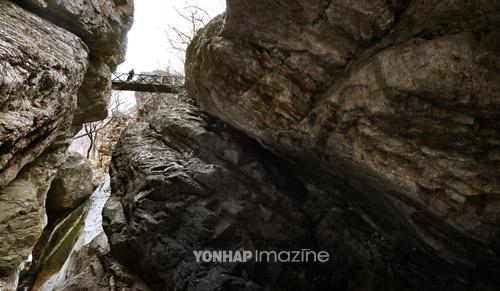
[(148, 48)]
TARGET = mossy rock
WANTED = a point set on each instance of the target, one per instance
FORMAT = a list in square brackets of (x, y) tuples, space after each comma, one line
[(61, 239)]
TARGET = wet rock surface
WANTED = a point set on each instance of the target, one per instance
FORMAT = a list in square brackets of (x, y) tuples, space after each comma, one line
[(72, 254), (389, 110)]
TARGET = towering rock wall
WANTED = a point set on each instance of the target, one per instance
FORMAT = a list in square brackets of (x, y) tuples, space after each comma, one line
[(389, 110), (184, 181), (51, 67)]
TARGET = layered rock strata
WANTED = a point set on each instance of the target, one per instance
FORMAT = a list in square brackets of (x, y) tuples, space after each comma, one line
[(392, 109), (103, 26), (45, 65), (183, 181)]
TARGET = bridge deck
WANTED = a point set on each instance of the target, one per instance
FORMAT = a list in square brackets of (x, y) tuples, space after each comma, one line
[(145, 87), (147, 83)]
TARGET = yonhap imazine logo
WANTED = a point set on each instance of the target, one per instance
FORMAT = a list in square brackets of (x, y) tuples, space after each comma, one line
[(246, 256)]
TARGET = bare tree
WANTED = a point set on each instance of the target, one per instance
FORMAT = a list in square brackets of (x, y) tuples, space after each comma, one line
[(181, 35), (93, 128)]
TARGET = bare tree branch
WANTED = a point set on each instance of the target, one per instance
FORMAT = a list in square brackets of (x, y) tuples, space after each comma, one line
[(195, 17), (92, 129)]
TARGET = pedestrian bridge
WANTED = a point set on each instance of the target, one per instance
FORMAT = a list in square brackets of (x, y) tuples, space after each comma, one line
[(147, 82)]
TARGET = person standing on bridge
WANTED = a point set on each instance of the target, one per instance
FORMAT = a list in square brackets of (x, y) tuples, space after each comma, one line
[(131, 75)]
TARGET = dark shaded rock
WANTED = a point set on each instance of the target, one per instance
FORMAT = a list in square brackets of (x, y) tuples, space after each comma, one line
[(72, 184), (182, 182), (419, 112), (178, 202), (389, 110)]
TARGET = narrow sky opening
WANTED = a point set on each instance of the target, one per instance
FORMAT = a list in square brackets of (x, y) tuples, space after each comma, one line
[(148, 47)]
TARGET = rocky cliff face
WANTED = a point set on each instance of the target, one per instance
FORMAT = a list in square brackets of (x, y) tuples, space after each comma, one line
[(103, 26), (389, 110), (50, 71), (379, 126), (71, 255), (183, 181), (72, 184)]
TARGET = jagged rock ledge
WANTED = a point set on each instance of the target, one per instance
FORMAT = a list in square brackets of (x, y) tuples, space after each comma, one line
[(184, 181)]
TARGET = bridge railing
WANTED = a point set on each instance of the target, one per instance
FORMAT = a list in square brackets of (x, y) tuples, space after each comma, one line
[(149, 79)]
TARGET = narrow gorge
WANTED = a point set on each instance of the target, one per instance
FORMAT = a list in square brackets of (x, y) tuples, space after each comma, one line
[(367, 130)]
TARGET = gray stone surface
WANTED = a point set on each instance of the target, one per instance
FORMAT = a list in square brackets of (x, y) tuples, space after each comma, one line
[(43, 64), (389, 109), (72, 184), (103, 26), (41, 67), (22, 213), (184, 181), (72, 253), (199, 184), (411, 102)]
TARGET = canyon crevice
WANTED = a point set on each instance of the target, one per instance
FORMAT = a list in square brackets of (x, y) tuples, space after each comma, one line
[(55, 65), (366, 129)]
